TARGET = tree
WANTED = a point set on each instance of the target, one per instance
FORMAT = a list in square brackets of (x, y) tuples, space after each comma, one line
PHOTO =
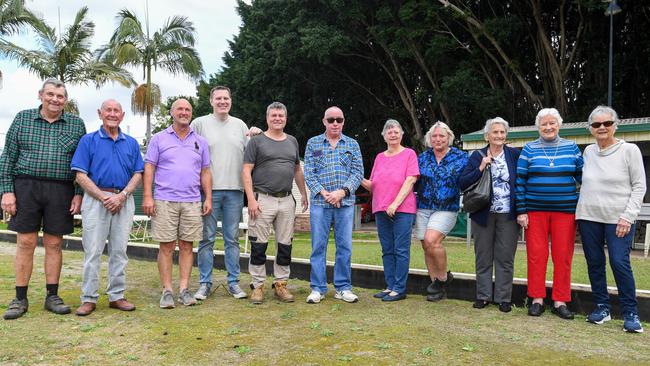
[(13, 18), (171, 49), (67, 57)]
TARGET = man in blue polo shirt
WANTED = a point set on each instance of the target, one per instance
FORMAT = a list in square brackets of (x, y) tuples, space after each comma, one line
[(109, 167)]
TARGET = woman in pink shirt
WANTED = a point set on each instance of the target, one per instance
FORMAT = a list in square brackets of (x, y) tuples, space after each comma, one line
[(393, 202)]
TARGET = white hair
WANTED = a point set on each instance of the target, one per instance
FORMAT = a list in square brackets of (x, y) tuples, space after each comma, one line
[(600, 110), (492, 121), (548, 112), (443, 126)]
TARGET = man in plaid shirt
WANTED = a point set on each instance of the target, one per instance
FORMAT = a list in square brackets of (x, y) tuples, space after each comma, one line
[(38, 191), (333, 171)]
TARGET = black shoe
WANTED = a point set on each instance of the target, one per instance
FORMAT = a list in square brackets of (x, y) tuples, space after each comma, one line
[(450, 278), (55, 304), (436, 297), (536, 309), (16, 309), (562, 311), (505, 307), (397, 297), (381, 295), (480, 304)]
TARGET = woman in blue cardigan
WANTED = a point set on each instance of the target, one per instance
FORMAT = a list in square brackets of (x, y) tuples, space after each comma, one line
[(494, 226)]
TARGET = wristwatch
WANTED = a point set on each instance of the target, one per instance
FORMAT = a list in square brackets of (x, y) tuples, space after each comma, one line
[(126, 194), (346, 190)]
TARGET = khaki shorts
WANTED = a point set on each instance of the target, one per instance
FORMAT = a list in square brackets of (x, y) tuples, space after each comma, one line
[(177, 221)]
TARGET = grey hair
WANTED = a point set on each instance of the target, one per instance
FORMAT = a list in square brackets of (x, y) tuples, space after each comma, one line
[(443, 126), (602, 109), (389, 124), (56, 83), (491, 121), (276, 105), (548, 112)]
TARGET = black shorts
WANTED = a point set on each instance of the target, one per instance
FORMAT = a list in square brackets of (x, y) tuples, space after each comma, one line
[(45, 202)]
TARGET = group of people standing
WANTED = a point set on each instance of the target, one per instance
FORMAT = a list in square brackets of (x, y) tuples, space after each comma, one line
[(196, 172), (549, 188)]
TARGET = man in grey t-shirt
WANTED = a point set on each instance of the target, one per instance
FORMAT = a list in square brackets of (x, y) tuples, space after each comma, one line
[(271, 162), (227, 137)]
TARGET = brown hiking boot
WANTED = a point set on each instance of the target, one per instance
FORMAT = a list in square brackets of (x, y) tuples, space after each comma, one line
[(281, 291), (257, 296)]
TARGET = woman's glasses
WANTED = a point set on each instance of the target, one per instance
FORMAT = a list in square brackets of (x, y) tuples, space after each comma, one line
[(598, 124)]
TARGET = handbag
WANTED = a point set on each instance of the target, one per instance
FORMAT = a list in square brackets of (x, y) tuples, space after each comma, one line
[(479, 194)]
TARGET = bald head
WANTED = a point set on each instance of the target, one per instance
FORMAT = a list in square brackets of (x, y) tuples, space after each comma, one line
[(112, 103), (181, 111), (333, 121), (111, 114), (333, 110)]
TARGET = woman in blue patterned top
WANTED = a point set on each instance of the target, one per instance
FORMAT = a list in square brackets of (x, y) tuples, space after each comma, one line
[(549, 171), (494, 226), (438, 202)]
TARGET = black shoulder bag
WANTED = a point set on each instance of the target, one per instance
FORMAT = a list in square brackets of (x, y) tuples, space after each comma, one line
[(479, 194)]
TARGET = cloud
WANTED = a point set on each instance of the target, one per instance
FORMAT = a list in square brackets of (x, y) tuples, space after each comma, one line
[(216, 22)]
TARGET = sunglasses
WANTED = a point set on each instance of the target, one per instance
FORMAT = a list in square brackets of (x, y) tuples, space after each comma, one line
[(338, 120), (598, 124)]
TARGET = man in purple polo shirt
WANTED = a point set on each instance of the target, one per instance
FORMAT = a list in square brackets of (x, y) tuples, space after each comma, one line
[(178, 162), (108, 167)]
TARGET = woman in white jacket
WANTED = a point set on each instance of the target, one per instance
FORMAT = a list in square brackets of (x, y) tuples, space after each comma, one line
[(613, 186)]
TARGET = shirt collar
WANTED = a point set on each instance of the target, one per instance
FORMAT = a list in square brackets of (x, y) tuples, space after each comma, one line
[(342, 139), (40, 116), (170, 130), (103, 134)]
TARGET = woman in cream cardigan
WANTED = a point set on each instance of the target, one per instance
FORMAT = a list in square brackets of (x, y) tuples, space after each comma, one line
[(613, 186)]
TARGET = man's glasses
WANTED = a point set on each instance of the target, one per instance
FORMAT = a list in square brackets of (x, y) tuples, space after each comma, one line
[(338, 120), (598, 124)]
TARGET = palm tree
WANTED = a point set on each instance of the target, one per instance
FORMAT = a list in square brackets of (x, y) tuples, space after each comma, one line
[(67, 57), (171, 49), (13, 18)]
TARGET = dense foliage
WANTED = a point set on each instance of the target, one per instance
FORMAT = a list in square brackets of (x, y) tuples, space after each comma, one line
[(421, 60)]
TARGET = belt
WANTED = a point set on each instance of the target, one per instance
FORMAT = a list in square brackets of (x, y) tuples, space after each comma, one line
[(276, 194), (112, 190)]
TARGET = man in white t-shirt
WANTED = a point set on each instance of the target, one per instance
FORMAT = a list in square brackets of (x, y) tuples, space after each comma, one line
[(227, 137)]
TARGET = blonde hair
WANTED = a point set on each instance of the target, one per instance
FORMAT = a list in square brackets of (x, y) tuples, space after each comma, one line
[(443, 126)]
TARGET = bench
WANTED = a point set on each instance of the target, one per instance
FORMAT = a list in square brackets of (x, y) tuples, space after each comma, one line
[(243, 225), (644, 215), (140, 230)]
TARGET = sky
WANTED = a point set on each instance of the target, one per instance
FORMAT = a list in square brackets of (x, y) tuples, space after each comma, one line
[(216, 22)]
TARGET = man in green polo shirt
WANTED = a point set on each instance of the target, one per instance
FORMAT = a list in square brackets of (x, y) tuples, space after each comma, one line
[(37, 190)]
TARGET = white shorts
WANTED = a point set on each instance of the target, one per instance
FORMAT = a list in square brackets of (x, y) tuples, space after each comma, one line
[(441, 221)]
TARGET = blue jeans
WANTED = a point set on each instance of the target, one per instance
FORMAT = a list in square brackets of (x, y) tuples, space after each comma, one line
[(395, 238), (227, 205), (594, 236), (321, 219)]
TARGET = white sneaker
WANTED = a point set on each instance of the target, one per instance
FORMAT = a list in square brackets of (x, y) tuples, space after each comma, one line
[(315, 297), (236, 291), (346, 295)]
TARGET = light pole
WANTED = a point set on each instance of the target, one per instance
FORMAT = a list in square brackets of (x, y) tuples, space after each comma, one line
[(612, 9)]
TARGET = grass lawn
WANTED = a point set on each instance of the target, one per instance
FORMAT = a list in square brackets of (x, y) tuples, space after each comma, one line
[(226, 331), (367, 250)]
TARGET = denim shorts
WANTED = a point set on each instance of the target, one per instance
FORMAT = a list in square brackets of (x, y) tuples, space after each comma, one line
[(441, 221)]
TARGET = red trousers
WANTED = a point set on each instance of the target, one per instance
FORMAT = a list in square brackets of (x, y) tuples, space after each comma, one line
[(562, 229)]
